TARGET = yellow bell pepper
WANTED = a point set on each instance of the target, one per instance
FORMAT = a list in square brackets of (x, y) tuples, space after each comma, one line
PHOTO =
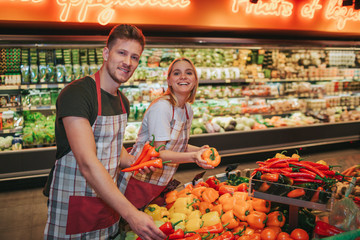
[(183, 205), (193, 224), (211, 218), (154, 211), (164, 213), (194, 214), (177, 217)]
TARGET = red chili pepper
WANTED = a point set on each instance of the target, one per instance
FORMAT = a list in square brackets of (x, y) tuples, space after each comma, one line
[(299, 175), (177, 234), (306, 180), (144, 151), (283, 160), (309, 167), (217, 228), (296, 193), (326, 230), (157, 163), (225, 236)]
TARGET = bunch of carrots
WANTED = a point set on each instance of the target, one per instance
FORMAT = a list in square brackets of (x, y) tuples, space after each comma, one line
[(146, 158)]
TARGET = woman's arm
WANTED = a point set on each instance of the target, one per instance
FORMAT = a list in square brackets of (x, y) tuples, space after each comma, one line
[(82, 143), (192, 148), (183, 157)]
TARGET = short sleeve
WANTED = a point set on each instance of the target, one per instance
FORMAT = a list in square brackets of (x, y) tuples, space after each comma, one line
[(75, 101), (159, 116)]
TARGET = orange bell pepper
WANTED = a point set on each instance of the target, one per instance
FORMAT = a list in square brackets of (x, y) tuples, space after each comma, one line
[(227, 189), (201, 184), (276, 219), (205, 207), (198, 191), (240, 196), (211, 156), (209, 195), (171, 197), (228, 204), (223, 197), (257, 220), (218, 208), (261, 205), (242, 210), (229, 219), (184, 193)]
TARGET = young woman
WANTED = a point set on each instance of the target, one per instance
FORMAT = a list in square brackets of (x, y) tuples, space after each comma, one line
[(168, 118)]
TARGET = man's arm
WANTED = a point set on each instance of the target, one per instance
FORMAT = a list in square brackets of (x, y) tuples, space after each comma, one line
[(82, 143)]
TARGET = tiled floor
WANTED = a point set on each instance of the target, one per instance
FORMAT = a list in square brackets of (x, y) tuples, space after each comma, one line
[(23, 208)]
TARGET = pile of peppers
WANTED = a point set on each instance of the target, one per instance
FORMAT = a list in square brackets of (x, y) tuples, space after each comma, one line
[(146, 158), (296, 172)]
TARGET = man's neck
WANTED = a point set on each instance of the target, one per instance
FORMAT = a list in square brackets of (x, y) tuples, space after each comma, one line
[(107, 83)]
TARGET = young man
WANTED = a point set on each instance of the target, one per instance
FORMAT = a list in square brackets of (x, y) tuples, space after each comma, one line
[(84, 200)]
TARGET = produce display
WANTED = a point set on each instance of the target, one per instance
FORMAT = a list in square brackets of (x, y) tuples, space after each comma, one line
[(39, 130), (222, 207)]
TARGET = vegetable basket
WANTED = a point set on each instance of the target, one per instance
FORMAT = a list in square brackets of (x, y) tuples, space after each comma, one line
[(292, 194)]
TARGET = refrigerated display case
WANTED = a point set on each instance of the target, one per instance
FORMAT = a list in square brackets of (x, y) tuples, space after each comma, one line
[(297, 93)]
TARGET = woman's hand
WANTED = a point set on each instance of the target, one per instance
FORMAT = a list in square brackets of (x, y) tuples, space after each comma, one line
[(198, 159)]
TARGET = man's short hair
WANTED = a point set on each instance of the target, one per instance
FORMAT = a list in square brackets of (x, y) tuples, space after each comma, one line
[(125, 31)]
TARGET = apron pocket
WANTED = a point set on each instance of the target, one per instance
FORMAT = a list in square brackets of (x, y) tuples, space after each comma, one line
[(86, 214), (141, 193)]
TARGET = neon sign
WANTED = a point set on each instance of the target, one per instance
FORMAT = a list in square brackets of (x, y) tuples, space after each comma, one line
[(341, 14), (274, 7), (108, 6), (308, 10)]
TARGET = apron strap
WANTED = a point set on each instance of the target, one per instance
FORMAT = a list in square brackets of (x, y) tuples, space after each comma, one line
[(186, 112), (98, 92)]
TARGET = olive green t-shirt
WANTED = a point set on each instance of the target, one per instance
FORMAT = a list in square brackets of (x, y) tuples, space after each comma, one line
[(79, 99)]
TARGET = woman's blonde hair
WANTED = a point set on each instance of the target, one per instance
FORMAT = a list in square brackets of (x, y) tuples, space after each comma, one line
[(170, 92)]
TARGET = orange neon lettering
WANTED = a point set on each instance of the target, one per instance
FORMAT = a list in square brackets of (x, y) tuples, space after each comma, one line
[(33, 1), (341, 14), (308, 10), (108, 6), (274, 7)]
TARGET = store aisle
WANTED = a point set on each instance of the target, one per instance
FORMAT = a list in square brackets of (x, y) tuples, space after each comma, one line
[(23, 209)]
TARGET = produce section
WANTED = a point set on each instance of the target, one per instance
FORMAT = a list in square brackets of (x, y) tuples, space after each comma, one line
[(225, 206), (244, 93)]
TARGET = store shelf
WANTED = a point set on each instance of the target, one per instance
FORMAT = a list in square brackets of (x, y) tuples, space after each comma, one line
[(37, 162)]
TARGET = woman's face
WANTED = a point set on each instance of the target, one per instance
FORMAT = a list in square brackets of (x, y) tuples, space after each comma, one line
[(182, 78)]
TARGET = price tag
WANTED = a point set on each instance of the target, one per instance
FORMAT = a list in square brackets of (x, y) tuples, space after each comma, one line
[(6, 131), (227, 81)]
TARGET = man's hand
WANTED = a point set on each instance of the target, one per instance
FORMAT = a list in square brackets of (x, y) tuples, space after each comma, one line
[(143, 225)]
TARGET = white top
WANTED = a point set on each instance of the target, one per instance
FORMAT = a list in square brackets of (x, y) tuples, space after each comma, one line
[(157, 120)]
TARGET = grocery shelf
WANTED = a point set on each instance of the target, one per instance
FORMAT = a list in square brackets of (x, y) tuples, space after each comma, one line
[(35, 162)]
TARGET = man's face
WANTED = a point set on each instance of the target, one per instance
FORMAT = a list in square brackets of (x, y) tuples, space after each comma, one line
[(122, 59)]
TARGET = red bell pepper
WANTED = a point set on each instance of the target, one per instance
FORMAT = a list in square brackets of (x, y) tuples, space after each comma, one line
[(177, 234), (225, 236), (213, 182), (217, 228), (326, 230)]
